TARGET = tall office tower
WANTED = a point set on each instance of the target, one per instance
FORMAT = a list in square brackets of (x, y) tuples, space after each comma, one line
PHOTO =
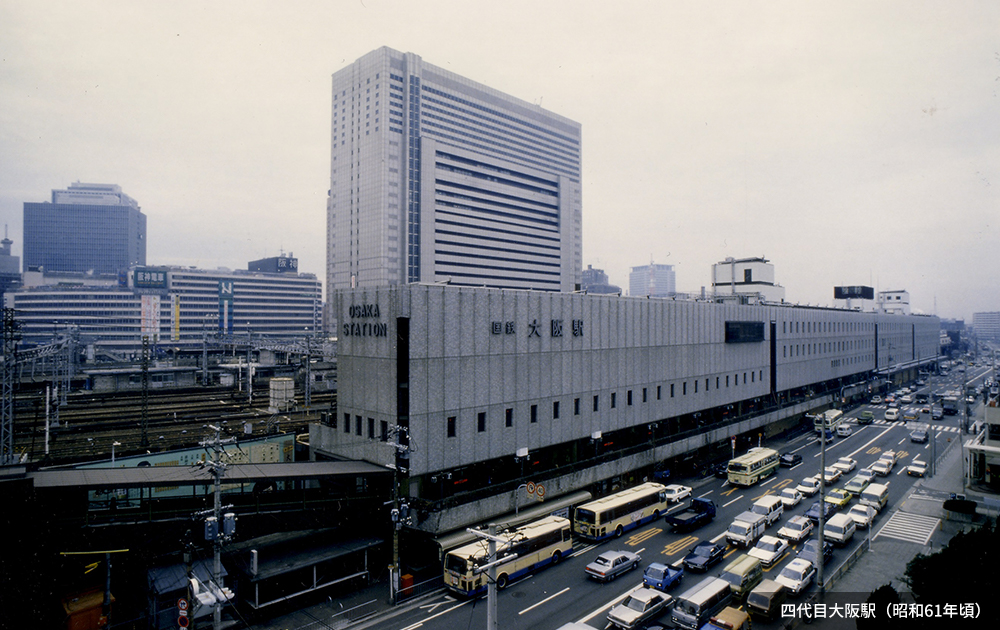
[(652, 280), (437, 178), (87, 227)]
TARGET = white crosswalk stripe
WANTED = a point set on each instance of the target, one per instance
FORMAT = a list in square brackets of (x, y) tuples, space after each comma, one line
[(909, 527)]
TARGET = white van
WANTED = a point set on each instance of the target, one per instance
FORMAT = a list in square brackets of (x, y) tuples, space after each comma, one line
[(746, 529), (770, 507), (839, 529), (875, 495)]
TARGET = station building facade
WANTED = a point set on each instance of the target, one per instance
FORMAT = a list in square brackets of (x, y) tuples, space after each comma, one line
[(467, 392)]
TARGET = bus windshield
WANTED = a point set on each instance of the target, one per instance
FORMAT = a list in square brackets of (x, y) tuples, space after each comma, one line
[(585, 516)]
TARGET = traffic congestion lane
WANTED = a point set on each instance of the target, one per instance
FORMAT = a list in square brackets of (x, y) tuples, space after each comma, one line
[(562, 593)]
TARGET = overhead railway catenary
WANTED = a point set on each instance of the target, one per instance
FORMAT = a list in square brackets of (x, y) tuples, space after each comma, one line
[(90, 423)]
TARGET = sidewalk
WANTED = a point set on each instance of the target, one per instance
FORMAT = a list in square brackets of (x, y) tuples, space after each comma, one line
[(887, 560)]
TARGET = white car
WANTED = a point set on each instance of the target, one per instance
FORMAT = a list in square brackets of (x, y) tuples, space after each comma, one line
[(808, 486), (867, 473), (890, 456), (844, 430), (790, 497), (881, 468), (845, 464), (862, 515), (677, 493), (892, 414), (796, 529), (797, 575), (906, 399), (769, 550)]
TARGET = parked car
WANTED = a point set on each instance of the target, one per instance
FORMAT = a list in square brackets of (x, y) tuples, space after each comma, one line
[(839, 498), (677, 493), (845, 464), (611, 564), (769, 549), (916, 469), (808, 486), (790, 497), (639, 607), (796, 529), (790, 459), (919, 436), (703, 555), (863, 515), (808, 551), (662, 576), (797, 575)]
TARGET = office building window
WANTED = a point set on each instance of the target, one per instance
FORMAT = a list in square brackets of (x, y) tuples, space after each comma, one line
[(658, 392), (534, 413), (384, 426), (371, 428), (643, 394), (451, 426), (357, 425), (347, 423), (481, 419), (555, 409), (628, 398), (597, 399), (576, 406), (614, 399), (671, 390), (508, 417)]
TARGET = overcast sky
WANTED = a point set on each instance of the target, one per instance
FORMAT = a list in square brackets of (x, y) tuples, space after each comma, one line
[(847, 142)]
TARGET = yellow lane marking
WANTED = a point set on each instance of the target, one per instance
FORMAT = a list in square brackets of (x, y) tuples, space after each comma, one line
[(642, 537), (679, 545), (729, 492)]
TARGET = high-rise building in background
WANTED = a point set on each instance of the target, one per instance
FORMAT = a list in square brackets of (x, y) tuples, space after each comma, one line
[(90, 228), (596, 281), (986, 325), (652, 281), (10, 266), (437, 178)]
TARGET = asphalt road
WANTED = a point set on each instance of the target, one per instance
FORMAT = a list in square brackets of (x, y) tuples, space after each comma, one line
[(562, 593)]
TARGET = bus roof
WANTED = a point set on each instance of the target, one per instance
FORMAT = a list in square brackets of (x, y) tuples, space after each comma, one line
[(754, 455), (534, 528), (626, 494)]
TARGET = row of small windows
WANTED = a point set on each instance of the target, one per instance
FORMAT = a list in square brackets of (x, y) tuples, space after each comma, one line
[(451, 422), (808, 349)]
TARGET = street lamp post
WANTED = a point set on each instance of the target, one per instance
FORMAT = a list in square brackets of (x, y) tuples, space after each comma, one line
[(113, 445)]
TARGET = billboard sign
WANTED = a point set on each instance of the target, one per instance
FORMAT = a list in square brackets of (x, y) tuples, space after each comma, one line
[(853, 293)]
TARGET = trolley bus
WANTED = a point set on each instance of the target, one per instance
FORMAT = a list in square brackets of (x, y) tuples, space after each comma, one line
[(748, 469), (615, 514), (829, 419), (536, 544)]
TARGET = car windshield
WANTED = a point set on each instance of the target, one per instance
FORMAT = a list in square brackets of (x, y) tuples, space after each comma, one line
[(796, 526), (634, 604), (791, 573), (788, 492), (732, 578), (656, 574), (767, 546)]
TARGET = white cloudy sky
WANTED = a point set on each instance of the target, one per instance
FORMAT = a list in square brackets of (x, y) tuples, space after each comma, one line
[(848, 142)]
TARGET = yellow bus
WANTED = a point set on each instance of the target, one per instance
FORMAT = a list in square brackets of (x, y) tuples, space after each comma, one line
[(536, 544), (829, 419), (615, 514), (748, 469)]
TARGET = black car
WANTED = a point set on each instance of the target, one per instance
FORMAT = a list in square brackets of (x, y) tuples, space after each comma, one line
[(919, 436), (808, 551), (704, 555), (720, 470), (813, 512), (790, 459)]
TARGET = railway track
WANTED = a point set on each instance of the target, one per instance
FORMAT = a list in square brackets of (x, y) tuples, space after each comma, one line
[(89, 424)]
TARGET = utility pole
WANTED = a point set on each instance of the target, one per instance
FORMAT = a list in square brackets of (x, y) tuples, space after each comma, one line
[(307, 395), (822, 484), (400, 512), (144, 442), (219, 528), (491, 568), (10, 338)]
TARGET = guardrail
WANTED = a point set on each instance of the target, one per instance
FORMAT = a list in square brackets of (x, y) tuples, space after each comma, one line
[(850, 562)]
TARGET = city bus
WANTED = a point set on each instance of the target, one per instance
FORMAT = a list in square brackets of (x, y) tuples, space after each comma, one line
[(536, 545), (748, 469), (830, 419), (615, 514)]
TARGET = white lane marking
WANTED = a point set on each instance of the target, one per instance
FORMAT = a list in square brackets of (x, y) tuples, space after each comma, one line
[(421, 623), (719, 537), (768, 481), (868, 443), (706, 494), (543, 601), (733, 501)]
